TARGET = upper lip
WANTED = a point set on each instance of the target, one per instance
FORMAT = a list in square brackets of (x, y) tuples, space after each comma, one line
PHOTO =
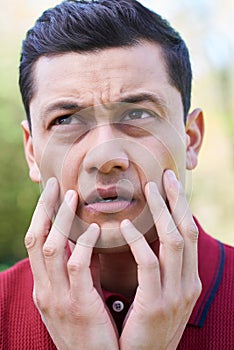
[(109, 192)]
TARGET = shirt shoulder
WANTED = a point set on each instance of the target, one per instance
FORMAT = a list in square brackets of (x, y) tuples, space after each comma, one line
[(20, 322), (212, 321), (13, 277), (229, 253)]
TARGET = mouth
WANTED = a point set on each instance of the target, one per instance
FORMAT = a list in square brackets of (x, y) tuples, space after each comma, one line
[(109, 200)]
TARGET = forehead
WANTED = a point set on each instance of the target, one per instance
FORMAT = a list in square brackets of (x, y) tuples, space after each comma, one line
[(102, 77)]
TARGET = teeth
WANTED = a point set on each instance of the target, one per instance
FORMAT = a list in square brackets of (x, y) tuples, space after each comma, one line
[(108, 200)]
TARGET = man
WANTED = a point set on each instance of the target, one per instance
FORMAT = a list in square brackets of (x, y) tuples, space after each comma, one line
[(112, 243)]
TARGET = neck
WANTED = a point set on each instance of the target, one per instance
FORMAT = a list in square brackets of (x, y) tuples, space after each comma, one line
[(119, 272)]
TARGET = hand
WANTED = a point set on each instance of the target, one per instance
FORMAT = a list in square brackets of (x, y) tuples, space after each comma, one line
[(67, 291), (168, 286)]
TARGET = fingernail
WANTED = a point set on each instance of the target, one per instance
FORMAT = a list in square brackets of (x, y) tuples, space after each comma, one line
[(52, 182), (69, 196), (94, 227), (171, 175), (152, 187), (125, 223)]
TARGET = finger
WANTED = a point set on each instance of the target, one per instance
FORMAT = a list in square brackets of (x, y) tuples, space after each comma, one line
[(184, 221), (39, 229), (55, 247), (79, 264), (148, 266), (171, 242)]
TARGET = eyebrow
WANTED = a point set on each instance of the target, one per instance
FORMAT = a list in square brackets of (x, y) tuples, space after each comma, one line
[(131, 99), (147, 97), (62, 105)]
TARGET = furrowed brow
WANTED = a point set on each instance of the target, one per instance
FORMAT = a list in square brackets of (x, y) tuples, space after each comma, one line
[(62, 106), (147, 97), (59, 107), (71, 106)]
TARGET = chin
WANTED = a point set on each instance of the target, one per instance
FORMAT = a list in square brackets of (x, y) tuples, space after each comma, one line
[(111, 239), (116, 250)]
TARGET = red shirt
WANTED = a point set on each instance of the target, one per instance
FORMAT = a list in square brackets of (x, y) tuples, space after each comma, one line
[(211, 325)]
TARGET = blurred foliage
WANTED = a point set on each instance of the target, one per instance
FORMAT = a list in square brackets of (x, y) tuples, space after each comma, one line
[(17, 193), (4, 267), (211, 185)]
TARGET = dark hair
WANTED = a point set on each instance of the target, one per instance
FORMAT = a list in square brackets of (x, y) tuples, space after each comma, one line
[(86, 26)]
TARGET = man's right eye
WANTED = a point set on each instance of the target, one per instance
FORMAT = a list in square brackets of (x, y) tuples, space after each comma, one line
[(67, 120)]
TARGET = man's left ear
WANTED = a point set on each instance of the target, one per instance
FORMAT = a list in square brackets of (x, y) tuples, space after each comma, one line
[(194, 137)]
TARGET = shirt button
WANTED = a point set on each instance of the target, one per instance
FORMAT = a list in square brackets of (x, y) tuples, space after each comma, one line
[(118, 306)]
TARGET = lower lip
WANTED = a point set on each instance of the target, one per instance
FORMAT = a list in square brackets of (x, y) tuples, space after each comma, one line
[(109, 207)]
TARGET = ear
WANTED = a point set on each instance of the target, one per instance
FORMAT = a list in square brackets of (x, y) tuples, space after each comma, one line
[(34, 171), (194, 137)]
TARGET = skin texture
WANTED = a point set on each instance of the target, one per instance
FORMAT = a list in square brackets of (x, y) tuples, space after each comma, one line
[(120, 126)]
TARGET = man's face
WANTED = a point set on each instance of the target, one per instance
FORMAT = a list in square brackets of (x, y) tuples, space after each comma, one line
[(105, 124)]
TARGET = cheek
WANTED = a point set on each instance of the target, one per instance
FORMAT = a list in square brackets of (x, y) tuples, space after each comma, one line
[(177, 152), (151, 157), (70, 168), (62, 162), (156, 153), (172, 139)]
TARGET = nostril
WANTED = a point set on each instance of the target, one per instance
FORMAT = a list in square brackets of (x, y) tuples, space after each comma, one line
[(105, 157), (114, 164)]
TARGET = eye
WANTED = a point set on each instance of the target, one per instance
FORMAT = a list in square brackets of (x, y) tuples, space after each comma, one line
[(137, 114), (67, 120)]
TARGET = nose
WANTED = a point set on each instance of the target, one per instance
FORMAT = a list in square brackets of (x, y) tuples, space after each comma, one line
[(106, 151)]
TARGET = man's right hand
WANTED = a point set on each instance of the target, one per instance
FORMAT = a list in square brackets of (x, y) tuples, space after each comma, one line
[(67, 290)]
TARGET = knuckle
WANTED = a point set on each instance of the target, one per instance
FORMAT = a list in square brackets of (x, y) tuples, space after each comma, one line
[(173, 303), (60, 310), (150, 263), (75, 267), (193, 294), (49, 306), (175, 307), (197, 288), (192, 232), (29, 240), (161, 310), (40, 301), (176, 241), (49, 251)]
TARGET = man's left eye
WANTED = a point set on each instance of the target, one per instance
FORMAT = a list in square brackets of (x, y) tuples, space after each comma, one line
[(137, 114)]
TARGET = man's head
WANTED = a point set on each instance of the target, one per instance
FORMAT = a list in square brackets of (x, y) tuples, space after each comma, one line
[(91, 26), (106, 86)]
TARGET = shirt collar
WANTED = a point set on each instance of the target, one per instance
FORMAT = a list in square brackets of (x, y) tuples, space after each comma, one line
[(211, 259)]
